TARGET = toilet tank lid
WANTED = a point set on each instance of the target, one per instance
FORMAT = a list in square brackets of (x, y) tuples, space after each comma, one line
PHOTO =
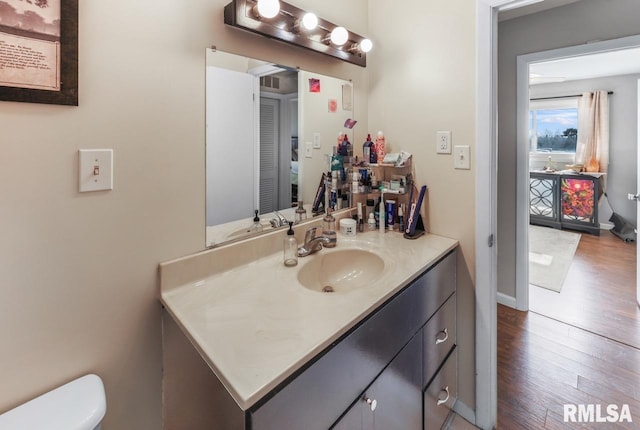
[(77, 405)]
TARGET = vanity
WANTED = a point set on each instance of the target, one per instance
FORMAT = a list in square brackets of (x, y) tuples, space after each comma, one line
[(251, 344)]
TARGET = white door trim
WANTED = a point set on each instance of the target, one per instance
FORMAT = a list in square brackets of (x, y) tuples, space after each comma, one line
[(486, 258), (522, 149), (638, 203)]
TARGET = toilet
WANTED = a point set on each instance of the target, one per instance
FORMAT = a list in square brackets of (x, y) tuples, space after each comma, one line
[(77, 405)]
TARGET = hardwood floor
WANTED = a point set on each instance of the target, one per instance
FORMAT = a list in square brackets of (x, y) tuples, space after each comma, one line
[(544, 364), (599, 293), (582, 352)]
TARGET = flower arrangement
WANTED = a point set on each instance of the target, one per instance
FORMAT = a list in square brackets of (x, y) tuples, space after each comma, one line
[(577, 198)]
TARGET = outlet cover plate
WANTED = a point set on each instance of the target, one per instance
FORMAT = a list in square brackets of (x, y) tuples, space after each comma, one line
[(95, 169), (443, 142)]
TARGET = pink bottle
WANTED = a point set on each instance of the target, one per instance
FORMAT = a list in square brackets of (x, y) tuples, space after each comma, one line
[(380, 146)]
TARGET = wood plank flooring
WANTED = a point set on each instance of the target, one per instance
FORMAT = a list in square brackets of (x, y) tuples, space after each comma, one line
[(582, 352), (599, 292)]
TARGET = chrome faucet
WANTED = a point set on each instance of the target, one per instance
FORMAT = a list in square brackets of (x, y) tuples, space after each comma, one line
[(312, 243), (279, 221)]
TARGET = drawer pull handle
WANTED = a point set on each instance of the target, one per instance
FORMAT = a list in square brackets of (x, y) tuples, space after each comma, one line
[(443, 393), (373, 404), (442, 336)]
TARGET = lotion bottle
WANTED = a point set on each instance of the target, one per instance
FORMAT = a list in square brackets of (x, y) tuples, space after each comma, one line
[(290, 248)]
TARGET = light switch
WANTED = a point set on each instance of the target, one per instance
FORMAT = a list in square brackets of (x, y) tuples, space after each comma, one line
[(308, 149), (95, 170), (461, 157), (316, 140)]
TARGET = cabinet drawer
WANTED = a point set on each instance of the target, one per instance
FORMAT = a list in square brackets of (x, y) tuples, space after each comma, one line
[(439, 336), (441, 394), (439, 283)]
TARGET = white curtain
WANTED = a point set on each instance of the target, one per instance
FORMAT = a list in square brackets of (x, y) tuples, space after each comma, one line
[(592, 148)]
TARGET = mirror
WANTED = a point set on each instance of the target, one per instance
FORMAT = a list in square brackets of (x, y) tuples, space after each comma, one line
[(270, 130)]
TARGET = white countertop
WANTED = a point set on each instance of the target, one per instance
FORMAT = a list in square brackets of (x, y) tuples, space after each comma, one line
[(255, 324)]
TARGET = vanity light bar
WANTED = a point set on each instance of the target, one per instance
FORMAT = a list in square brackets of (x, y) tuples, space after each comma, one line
[(285, 26)]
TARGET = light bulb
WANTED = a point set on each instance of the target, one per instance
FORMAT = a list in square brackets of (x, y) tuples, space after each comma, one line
[(310, 21), (339, 36), (268, 8), (366, 45)]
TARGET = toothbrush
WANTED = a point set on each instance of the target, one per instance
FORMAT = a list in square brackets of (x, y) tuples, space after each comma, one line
[(381, 217)]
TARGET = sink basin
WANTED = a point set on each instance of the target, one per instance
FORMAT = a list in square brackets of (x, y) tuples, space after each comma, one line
[(340, 271)]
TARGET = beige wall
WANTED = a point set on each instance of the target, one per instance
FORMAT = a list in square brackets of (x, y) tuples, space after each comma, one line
[(316, 118), (422, 79), (78, 272)]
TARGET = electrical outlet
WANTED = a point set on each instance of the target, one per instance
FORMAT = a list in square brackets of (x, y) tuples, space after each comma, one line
[(308, 149), (443, 142)]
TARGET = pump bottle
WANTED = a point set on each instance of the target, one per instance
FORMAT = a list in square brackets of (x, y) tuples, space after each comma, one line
[(290, 248)]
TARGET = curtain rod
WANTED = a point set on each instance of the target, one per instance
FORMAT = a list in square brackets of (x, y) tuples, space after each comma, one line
[(562, 97)]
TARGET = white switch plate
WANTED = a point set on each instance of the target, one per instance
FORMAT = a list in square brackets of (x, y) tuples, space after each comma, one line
[(461, 157), (95, 169), (443, 142), (316, 140), (308, 149)]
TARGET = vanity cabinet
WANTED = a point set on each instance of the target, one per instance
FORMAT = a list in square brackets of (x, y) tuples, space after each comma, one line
[(383, 359), (393, 401)]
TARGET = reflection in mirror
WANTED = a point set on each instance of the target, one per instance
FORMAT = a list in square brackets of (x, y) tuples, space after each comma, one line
[(256, 114)]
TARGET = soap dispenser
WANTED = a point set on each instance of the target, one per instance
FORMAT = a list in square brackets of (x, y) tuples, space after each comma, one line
[(256, 226), (329, 230), (290, 248)]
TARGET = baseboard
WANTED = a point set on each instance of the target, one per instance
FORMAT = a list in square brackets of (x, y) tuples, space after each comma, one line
[(464, 411), (506, 300), (606, 226)]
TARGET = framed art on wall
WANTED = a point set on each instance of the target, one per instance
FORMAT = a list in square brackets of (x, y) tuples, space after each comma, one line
[(39, 51)]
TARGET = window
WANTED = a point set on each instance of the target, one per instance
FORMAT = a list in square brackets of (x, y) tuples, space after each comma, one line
[(553, 126)]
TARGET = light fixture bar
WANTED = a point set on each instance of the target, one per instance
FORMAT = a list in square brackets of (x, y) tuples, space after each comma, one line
[(239, 14)]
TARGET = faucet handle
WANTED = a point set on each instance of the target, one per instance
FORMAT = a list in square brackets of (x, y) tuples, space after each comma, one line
[(310, 234)]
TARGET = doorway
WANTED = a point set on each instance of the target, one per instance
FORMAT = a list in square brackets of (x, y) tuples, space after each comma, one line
[(569, 274), (278, 137), (615, 184)]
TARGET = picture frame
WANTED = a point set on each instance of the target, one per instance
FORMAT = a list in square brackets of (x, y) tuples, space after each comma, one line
[(41, 65)]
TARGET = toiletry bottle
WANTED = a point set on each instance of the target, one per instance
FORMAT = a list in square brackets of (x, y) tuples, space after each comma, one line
[(347, 149), (382, 224), (401, 217), (301, 212), (373, 157), (290, 248), (370, 205), (366, 150), (374, 180), (256, 226), (376, 212), (371, 222), (360, 219), (329, 229), (380, 146)]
